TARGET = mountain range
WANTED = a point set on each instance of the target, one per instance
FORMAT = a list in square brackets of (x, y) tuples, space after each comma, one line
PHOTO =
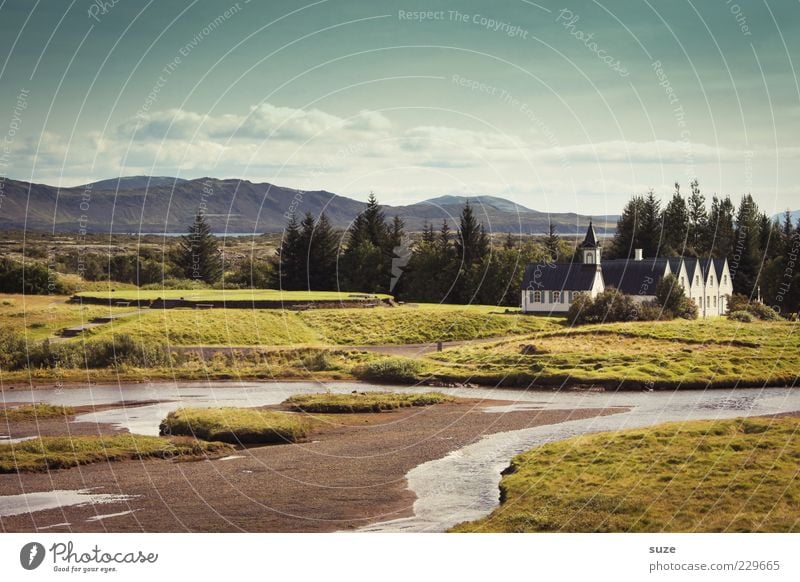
[(146, 204)]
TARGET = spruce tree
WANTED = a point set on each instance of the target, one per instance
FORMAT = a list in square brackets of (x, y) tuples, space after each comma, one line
[(676, 225), (698, 221), (291, 267), (552, 243), (199, 257), (322, 256)]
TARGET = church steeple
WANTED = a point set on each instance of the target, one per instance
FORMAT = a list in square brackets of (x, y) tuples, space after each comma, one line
[(590, 247)]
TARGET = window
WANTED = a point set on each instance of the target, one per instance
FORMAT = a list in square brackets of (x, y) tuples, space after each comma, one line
[(724, 279), (700, 302), (537, 297), (715, 300), (697, 280), (683, 281), (556, 296), (708, 301), (712, 280)]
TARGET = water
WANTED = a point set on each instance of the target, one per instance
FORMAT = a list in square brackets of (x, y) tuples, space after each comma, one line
[(40, 501), (464, 484)]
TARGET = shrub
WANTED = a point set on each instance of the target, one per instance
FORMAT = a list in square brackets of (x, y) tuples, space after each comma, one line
[(652, 311), (32, 278), (763, 312), (609, 306), (760, 311), (390, 370), (687, 309), (743, 316), (317, 362)]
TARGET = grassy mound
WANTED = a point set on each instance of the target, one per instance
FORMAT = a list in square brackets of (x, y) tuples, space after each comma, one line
[(235, 425), (49, 453), (660, 354), (35, 411), (705, 476), (362, 401)]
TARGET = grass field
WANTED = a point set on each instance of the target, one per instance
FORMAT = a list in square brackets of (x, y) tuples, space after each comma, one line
[(34, 412), (670, 354), (707, 476), (355, 326), (236, 425), (362, 401), (49, 453), (41, 316), (227, 295)]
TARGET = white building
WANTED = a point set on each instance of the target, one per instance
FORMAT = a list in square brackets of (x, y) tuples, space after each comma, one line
[(551, 287)]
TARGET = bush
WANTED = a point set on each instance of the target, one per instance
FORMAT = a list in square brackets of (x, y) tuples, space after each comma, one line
[(32, 279), (743, 316), (317, 362), (687, 309), (760, 311), (390, 370), (763, 312), (609, 306)]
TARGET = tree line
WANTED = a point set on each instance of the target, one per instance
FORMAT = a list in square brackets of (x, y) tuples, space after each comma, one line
[(375, 255), (761, 252)]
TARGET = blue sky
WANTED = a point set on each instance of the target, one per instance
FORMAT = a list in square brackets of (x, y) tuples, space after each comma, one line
[(568, 106)]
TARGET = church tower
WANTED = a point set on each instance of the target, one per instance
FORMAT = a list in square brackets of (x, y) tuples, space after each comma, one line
[(590, 247)]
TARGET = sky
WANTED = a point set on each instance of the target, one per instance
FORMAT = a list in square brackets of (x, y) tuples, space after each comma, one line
[(569, 106)]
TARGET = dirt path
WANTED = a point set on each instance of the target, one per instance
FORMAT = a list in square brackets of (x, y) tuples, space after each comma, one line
[(351, 474)]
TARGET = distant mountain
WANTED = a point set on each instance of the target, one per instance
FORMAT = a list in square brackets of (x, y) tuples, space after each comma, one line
[(794, 213), (133, 183), (492, 201), (153, 205)]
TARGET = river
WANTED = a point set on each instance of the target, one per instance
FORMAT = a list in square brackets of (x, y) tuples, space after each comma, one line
[(464, 484)]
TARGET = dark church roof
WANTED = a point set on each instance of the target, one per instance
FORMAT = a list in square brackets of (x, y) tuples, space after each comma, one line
[(590, 241), (559, 277), (634, 277)]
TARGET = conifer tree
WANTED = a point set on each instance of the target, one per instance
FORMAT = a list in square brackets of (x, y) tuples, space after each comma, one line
[(199, 257)]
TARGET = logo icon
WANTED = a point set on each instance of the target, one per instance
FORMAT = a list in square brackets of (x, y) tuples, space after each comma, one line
[(31, 555)]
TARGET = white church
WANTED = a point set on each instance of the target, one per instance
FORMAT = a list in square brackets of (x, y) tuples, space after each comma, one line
[(552, 287)]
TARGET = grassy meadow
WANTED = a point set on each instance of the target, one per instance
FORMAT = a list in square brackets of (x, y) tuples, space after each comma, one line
[(362, 401), (236, 425), (736, 475), (37, 317), (50, 453), (342, 327), (664, 354), (226, 295)]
